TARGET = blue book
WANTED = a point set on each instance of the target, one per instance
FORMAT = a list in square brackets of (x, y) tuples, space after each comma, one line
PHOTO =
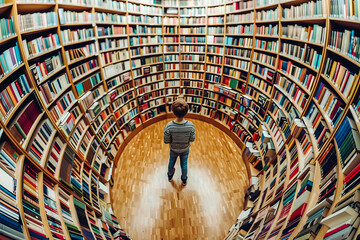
[(337, 115), (36, 235), (289, 198), (10, 194), (75, 236), (318, 90), (10, 223), (352, 39), (87, 234), (80, 89), (17, 53), (342, 132)]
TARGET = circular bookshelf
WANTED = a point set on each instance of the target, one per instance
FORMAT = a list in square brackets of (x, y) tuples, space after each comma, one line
[(80, 78)]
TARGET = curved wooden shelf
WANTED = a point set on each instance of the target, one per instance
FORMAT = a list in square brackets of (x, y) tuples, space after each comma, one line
[(5, 8), (111, 23), (11, 114), (4, 78), (109, 10), (71, 43), (112, 36), (302, 41), (71, 6), (41, 54), (38, 30), (267, 6), (8, 39), (305, 20), (326, 21)]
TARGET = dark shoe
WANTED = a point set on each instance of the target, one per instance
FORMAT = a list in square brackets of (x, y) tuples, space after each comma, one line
[(184, 181), (170, 176)]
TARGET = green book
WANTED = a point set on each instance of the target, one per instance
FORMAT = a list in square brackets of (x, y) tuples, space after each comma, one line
[(11, 22), (233, 83), (18, 127), (3, 30)]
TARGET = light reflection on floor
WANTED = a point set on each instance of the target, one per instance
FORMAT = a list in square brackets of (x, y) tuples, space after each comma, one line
[(149, 207)]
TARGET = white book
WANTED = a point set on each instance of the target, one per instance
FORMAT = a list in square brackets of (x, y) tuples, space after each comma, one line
[(344, 233), (348, 85), (301, 200), (325, 98), (346, 214), (7, 181)]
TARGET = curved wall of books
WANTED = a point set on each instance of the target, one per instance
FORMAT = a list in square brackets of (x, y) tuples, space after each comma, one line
[(79, 78)]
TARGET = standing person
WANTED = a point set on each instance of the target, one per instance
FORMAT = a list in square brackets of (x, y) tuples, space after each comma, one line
[(178, 134)]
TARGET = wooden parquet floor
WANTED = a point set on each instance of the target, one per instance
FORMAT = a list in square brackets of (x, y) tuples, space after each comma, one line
[(150, 207)]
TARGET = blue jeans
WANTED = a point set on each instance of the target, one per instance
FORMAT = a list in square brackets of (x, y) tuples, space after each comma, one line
[(183, 161)]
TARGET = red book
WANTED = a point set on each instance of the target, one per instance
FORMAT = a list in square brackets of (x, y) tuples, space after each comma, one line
[(33, 148), (337, 40), (29, 181), (22, 121), (321, 135), (54, 156), (335, 109), (41, 70), (325, 194), (137, 120), (49, 208), (288, 67), (57, 147), (298, 212), (31, 171), (44, 68), (53, 39), (310, 79), (28, 117), (294, 173), (22, 94), (336, 230), (60, 107), (303, 103), (113, 96), (353, 173), (297, 91)]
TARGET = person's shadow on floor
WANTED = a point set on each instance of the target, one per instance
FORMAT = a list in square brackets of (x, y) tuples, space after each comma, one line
[(178, 187)]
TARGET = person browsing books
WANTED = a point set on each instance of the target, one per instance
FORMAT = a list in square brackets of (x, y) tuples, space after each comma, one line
[(178, 134)]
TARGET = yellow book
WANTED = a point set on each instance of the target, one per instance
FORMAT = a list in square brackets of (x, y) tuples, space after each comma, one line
[(261, 86), (30, 189), (333, 68)]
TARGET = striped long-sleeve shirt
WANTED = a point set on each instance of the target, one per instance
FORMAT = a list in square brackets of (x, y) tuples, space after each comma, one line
[(179, 135)]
